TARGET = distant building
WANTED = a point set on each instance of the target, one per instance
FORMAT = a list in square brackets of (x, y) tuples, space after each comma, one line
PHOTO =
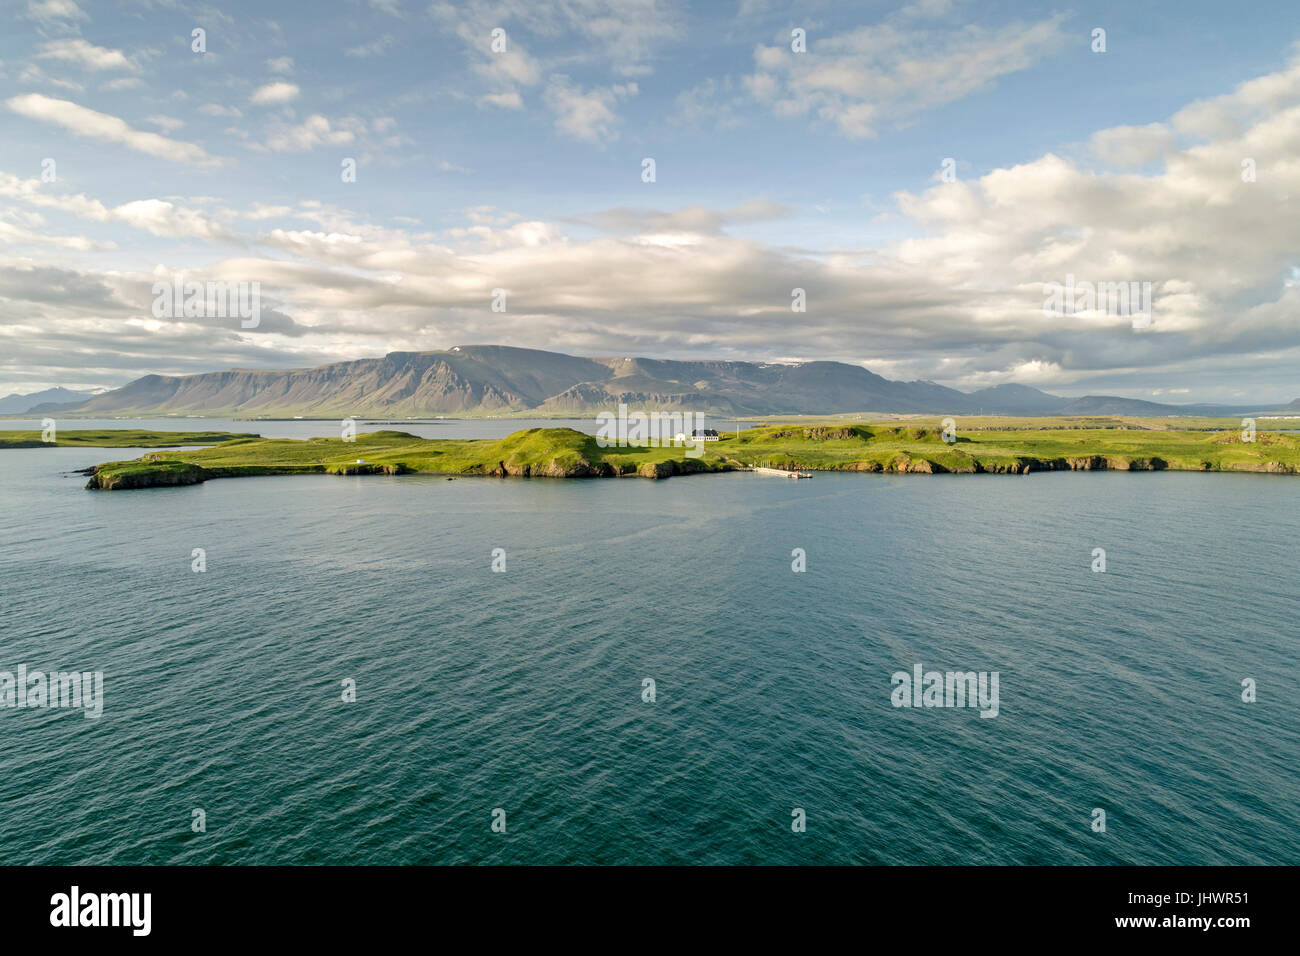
[(699, 434)]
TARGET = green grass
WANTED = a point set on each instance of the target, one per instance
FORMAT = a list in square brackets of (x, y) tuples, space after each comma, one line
[(535, 452), (115, 438), (916, 445)]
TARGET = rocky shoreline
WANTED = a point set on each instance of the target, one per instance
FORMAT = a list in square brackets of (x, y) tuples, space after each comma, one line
[(174, 474)]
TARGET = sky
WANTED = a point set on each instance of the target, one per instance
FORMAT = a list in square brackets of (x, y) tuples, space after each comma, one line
[(920, 170)]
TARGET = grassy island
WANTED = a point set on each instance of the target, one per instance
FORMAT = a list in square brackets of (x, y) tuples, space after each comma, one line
[(1001, 446), (115, 438)]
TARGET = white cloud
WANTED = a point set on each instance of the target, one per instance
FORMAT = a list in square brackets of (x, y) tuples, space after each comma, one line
[(273, 94), (156, 216), (890, 71), (260, 211), (168, 124), (508, 101), (280, 64), (32, 74), (86, 55), (624, 34), (49, 10), (373, 48), (12, 234), (166, 219), (110, 129), (314, 131), (122, 83), (960, 300), (218, 109), (586, 114), (621, 35), (1133, 145)]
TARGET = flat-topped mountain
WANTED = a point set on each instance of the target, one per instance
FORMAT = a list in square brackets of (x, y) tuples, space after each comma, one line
[(478, 380)]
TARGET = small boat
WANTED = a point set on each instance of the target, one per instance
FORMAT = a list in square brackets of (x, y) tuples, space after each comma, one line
[(782, 473)]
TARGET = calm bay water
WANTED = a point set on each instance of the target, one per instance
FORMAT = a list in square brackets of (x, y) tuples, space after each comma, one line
[(522, 690)]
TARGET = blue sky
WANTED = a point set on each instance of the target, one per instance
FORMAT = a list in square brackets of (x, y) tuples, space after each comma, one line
[(774, 169)]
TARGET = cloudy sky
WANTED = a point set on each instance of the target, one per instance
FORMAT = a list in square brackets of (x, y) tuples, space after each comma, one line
[(127, 157)]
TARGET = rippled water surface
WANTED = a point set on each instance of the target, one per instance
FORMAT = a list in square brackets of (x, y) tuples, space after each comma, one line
[(523, 690)]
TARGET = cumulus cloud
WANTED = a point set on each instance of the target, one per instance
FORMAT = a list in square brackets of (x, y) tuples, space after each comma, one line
[(1133, 145), (165, 219), (959, 300), (274, 94), (156, 216), (314, 131)]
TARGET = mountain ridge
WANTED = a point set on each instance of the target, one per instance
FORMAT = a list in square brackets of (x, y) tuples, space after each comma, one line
[(500, 380)]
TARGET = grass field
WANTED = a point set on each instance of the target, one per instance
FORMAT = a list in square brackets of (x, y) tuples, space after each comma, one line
[(535, 452), (114, 438), (1002, 446), (1010, 446)]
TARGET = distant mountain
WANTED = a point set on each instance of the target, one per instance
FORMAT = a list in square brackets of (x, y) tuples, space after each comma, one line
[(22, 404), (1111, 405), (480, 380), (1017, 400)]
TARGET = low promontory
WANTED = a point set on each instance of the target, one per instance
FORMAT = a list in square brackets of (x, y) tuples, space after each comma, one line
[(1004, 446)]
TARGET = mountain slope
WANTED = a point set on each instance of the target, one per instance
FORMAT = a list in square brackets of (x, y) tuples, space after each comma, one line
[(496, 380)]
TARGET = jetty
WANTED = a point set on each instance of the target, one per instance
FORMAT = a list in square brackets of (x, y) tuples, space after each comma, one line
[(782, 473)]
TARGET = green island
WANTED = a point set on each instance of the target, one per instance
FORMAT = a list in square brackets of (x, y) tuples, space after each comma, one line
[(115, 438), (911, 446)]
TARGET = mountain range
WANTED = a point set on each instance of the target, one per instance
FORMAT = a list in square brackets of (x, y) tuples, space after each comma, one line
[(482, 380)]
